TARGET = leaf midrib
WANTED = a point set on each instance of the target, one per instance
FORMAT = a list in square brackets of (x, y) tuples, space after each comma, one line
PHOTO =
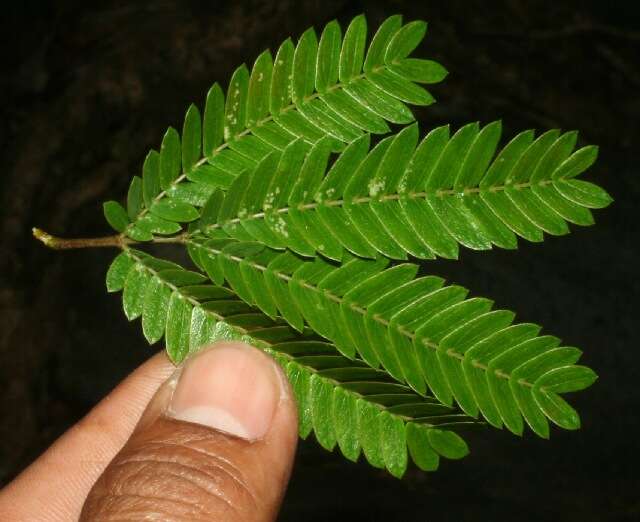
[(386, 197)]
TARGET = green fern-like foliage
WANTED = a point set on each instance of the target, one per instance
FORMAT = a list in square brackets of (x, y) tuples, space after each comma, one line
[(424, 334), (335, 89), (399, 199), (301, 225), (343, 400)]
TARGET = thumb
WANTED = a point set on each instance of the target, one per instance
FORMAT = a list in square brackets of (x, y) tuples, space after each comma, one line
[(216, 442)]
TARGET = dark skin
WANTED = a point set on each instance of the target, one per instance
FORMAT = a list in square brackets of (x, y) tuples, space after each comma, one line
[(130, 458)]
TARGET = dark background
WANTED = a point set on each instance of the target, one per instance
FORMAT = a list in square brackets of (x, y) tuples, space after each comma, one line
[(86, 91)]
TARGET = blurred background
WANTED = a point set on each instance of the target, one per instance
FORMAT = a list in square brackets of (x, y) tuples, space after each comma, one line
[(88, 87)]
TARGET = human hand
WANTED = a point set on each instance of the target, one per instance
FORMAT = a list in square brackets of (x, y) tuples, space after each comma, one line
[(213, 440)]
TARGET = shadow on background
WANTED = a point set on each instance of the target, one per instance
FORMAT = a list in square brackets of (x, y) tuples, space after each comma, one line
[(86, 91)]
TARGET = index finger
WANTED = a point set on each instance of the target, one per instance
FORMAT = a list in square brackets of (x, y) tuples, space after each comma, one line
[(54, 487)]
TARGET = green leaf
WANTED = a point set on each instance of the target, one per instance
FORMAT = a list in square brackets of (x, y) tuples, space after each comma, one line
[(555, 155), (577, 163), (206, 291), (195, 194), (300, 382), (450, 163), (583, 193), (394, 162), (297, 125), (320, 115), (134, 292), (405, 41), (272, 134), (537, 212), (396, 86), (211, 209), (281, 79), (506, 160), (369, 433), (532, 414), (191, 138), (321, 411), (420, 448), (569, 210), (506, 404), (156, 225), (479, 156), (209, 260), (154, 309), (379, 102), (304, 66), (178, 327), (259, 89), (567, 379), (424, 160), (447, 443), (530, 159), (394, 447), (139, 233), (345, 418), (180, 277), (532, 369), (170, 158), (417, 70), (235, 111), (556, 408), (380, 42), (353, 47), (151, 177), (213, 176), (174, 210), (204, 329), (213, 124), (134, 198), (328, 57), (117, 273), (311, 174), (116, 215), (351, 111), (511, 216)]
